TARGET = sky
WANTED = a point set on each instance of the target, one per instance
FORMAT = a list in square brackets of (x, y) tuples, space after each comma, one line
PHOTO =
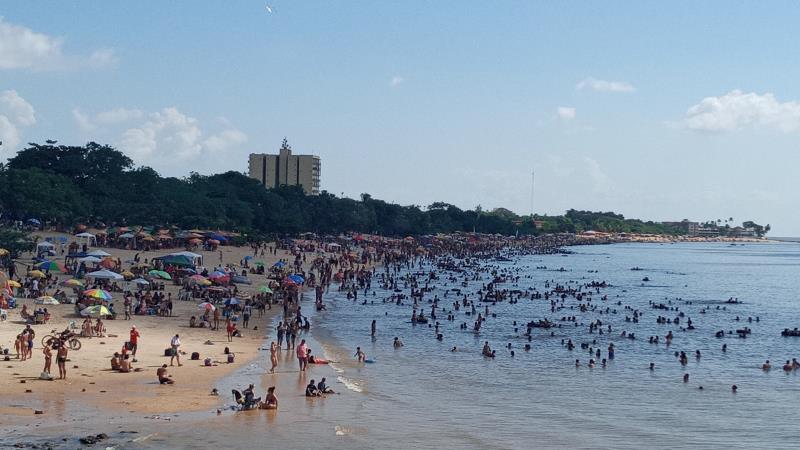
[(660, 111)]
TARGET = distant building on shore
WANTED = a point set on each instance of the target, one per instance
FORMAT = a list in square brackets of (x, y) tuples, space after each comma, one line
[(690, 228), (286, 169)]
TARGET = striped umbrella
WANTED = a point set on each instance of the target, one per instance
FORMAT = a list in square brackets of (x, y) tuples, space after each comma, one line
[(98, 294)]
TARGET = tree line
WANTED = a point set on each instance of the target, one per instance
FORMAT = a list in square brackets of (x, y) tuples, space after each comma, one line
[(63, 185)]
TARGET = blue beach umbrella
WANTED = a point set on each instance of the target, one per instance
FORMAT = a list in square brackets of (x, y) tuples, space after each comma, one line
[(296, 278)]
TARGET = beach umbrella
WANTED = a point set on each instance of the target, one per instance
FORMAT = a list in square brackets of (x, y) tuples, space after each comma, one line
[(13, 284), (160, 274), (108, 263), (265, 290), (98, 294), (72, 282), (248, 257), (126, 235), (36, 274), (105, 275), (200, 280), (279, 264), (232, 301), (52, 266), (296, 278), (205, 306), (240, 280), (98, 253), (3, 252), (95, 311), (213, 242), (289, 282), (128, 274), (46, 300), (141, 282), (259, 263), (35, 221), (188, 270)]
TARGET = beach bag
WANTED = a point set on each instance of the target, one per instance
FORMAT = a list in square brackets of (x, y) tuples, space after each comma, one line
[(195, 356), (230, 358), (168, 352)]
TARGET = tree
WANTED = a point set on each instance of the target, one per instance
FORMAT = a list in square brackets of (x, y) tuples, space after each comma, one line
[(16, 242)]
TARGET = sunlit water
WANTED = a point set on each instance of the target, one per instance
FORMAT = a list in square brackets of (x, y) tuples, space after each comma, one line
[(424, 395)]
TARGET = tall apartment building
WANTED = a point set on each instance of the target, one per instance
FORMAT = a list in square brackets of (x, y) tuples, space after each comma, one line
[(286, 169)]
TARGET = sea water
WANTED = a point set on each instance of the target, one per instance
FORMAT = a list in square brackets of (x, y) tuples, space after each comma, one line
[(426, 395)]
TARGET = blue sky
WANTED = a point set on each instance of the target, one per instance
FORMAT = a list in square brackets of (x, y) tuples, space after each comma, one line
[(656, 110)]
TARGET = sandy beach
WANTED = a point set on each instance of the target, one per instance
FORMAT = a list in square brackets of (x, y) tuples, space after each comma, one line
[(90, 380)]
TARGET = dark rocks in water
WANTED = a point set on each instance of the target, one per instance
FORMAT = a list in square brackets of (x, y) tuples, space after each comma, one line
[(91, 440)]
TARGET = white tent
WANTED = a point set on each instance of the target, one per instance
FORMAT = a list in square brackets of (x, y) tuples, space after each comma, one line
[(105, 275), (98, 253), (90, 260), (89, 237)]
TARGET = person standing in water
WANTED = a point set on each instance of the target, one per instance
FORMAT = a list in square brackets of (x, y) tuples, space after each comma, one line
[(374, 327), (360, 355), (273, 356)]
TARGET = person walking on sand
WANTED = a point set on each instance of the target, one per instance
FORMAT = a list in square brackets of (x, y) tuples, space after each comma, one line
[(175, 344), (61, 360), (302, 355), (134, 340), (273, 356)]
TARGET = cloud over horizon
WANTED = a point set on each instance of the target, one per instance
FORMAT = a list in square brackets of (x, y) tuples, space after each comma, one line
[(23, 48), (737, 110), (15, 113)]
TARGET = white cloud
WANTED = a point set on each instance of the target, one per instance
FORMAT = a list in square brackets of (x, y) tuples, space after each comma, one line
[(118, 115), (601, 183), (15, 113), (736, 110), (83, 121), (565, 113), (605, 86), (111, 117), (225, 139), (171, 137), (396, 81), (23, 48)]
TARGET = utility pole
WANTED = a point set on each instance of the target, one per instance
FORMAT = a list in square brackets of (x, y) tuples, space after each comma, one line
[(532, 184)]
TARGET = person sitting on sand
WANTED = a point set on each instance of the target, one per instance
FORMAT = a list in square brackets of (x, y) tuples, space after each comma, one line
[(125, 364), (193, 322), (163, 376), (115, 361), (323, 388), (311, 390), (271, 402)]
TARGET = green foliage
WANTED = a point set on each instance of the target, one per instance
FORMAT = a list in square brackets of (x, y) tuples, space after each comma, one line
[(16, 242), (96, 183)]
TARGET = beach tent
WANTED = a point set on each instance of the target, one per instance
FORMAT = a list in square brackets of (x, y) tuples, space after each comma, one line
[(197, 260), (88, 237), (177, 260), (45, 247), (89, 260), (104, 275)]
